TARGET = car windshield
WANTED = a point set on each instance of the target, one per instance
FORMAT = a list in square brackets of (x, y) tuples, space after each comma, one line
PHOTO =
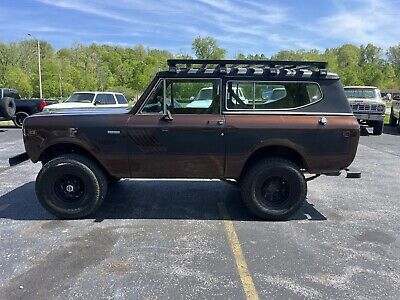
[(361, 93), (205, 94), (81, 98)]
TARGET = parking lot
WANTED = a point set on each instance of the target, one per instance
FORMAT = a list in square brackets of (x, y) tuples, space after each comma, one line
[(165, 239)]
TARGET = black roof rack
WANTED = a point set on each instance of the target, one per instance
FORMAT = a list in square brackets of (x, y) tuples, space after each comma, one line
[(222, 66)]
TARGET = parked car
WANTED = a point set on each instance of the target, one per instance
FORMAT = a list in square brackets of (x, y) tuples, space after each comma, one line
[(395, 112), (22, 107), (85, 100), (204, 97), (270, 150), (367, 106)]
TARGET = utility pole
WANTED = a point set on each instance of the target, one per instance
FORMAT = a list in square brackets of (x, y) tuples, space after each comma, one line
[(40, 67)]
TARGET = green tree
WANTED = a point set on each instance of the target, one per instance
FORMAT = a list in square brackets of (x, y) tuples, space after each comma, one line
[(207, 48), (16, 78)]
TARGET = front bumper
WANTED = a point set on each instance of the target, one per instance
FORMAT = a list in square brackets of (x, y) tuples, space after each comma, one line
[(369, 116)]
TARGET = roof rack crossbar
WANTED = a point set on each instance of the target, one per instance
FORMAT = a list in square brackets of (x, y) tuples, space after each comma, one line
[(265, 64)]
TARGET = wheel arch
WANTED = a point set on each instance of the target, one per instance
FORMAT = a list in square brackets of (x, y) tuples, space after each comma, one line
[(281, 151), (58, 149)]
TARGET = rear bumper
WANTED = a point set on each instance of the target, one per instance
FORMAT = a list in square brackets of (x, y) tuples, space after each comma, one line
[(350, 173)]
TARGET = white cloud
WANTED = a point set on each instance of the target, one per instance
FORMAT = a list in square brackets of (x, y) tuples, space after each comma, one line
[(361, 22), (89, 9)]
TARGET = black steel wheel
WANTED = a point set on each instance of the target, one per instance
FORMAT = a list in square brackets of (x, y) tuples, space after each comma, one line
[(274, 188), (71, 186)]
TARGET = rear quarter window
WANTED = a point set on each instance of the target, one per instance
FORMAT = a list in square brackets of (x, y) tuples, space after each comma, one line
[(121, 99), (252, 95)]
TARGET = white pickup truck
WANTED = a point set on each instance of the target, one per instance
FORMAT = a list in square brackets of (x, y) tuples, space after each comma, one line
[(367, 105), (86, 100)]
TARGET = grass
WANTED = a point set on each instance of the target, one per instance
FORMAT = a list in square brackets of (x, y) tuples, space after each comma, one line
[(6, 123)]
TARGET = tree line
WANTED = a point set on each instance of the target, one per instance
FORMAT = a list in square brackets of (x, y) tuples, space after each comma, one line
[(129, 70)]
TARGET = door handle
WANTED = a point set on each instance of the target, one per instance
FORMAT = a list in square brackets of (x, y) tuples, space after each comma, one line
[(220, 122)]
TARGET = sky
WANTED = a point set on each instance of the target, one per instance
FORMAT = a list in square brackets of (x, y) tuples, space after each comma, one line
[(241, 26)]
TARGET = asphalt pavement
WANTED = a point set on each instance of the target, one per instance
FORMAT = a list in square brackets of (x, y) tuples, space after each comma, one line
[(168, 239)]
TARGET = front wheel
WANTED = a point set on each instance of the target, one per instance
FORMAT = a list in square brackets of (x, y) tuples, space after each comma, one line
[(71, 186), (274, 188), (378, 128)]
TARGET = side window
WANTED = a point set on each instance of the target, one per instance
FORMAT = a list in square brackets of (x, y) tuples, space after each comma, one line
[(101, 99), (11, 94), (121, 99), (193, 96), (154, 103), (271, 95), (110, 99)]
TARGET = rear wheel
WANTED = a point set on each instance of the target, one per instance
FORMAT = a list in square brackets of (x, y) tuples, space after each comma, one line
[(378, 128), (274, 188), (71, 186), (19, 118)]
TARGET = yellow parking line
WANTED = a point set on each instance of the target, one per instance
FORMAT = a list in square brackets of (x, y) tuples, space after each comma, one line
[(245, 277)]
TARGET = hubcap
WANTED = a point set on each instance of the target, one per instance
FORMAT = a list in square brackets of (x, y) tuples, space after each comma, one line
[(69, 188)]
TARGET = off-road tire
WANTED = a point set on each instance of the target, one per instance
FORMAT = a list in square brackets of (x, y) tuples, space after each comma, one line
[(260, 174), (7, 107), (19, 118), (92, 186), (378, 128), (392, 119)]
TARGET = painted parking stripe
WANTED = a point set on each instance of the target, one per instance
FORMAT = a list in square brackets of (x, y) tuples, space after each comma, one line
[(243, 270)]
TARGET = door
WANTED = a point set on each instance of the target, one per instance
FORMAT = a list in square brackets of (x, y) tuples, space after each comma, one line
[(188, 142)]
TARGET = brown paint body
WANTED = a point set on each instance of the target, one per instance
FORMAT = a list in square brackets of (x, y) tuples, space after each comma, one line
[(196, 146), (129, 144)]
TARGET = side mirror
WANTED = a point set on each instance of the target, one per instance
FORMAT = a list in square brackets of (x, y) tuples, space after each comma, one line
[(191, 98), (167, 116)]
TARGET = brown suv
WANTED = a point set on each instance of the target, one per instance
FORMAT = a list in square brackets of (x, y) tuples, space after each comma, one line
[(262, 124)]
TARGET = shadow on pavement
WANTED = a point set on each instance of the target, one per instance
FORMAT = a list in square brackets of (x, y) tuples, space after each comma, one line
[(392, 130), (151, 199)]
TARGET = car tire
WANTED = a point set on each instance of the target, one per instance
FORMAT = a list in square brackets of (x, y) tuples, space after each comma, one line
[(71, 186), (378, 128), (7, 107), (19, 118), (392, 119), (274, 188)]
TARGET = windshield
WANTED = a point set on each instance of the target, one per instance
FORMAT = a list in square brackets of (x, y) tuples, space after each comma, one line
[(205, 94), (361, 93), (81, 98)]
